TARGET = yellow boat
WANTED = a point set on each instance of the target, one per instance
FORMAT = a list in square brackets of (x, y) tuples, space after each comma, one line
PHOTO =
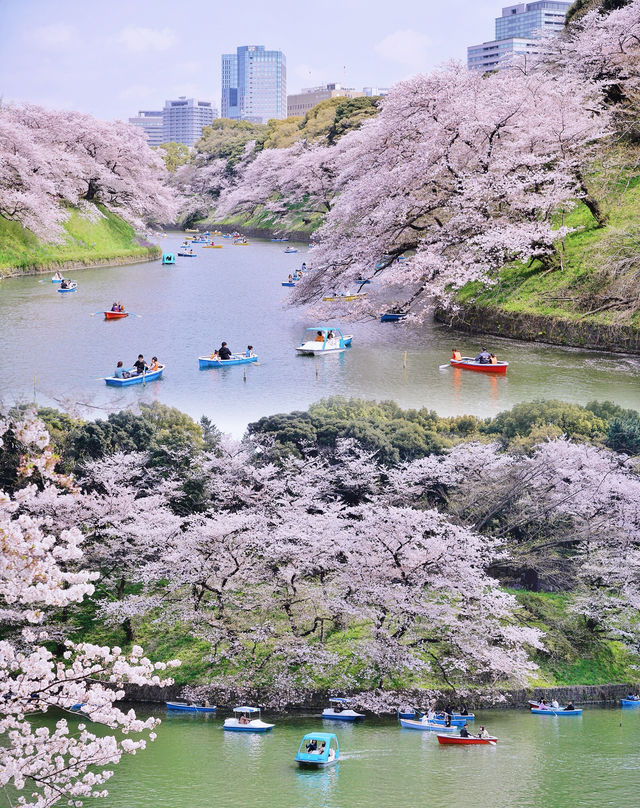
[(212, 247), (191, 230), (339, 298)]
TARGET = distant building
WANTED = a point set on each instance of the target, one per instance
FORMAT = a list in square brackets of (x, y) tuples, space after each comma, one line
[(517, 33), (184, 119), (371, 91), (254, 84), (302, 102), (150, 121)]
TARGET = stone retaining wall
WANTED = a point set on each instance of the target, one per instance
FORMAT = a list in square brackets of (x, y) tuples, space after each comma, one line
[(52, 266), (543, 328)]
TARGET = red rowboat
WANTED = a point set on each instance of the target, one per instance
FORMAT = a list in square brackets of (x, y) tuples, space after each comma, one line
[(468, 363), (456, 739), (115, 315)]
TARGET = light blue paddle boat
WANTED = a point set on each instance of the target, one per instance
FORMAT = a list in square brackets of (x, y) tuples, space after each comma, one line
[(246, 719), (319, 339), (236, 359), (318, 749), (184, 707), (339, 710), (168, 258), (138, 378)]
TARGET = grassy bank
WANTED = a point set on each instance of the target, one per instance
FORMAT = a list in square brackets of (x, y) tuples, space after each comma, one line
[(85, 242), (296, 220), (593, 277)]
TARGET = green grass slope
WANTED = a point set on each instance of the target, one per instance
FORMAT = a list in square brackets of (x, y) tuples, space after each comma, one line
[(109, 238), (594, 275)]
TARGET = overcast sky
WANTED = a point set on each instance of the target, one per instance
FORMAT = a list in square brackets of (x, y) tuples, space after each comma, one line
[(114, 57)]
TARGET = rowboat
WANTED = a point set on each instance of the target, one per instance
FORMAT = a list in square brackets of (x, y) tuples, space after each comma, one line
[(212, 247), (339, 710), (468, 363), (458, 721), (187, 255), (236, 359), (246, 719), (279, 239), (70, 288), (115, 315), (325, 752), (552, 711), (630, 702), (343, 298), (139, 378), (425, 726), (470, 741), (326, 340), (291, 250), (184, 707), (392, 316), (289, 283), (406, 712), (362, 281)]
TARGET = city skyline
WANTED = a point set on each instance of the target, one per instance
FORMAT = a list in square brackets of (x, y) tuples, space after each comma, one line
[(111, 62)]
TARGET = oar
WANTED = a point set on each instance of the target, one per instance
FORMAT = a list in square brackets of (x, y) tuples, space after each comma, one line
[(444, 367), (96, 312), (133, 314)]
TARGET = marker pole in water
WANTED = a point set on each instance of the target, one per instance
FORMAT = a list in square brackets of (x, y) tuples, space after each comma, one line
[(404, 360)]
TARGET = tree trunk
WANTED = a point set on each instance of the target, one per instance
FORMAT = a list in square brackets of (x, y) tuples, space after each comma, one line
[(592, 203)]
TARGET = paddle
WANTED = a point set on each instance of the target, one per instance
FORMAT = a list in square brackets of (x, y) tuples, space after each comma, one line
[(444, 367)]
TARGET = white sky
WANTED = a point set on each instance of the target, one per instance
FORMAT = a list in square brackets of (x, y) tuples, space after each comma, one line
[(113, 57)]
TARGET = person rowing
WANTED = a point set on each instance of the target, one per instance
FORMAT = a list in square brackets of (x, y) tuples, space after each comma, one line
[(484, 357), (223, 352)]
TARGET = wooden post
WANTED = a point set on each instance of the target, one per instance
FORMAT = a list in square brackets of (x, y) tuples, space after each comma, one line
[(404, 361)]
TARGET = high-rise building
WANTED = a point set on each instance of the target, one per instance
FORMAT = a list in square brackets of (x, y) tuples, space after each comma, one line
[(254, 84), (302, 102), (184, 119), (371, 91), (150, 121), (517, 33)]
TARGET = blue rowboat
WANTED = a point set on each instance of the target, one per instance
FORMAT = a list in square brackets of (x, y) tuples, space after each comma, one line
[(392, 317), (246, 719), (457, 716), (112, 381), (426, 726), (291, 250), (183, 707), (289, 283), (406, 713), (187, 255), (551, 711), (630, 702), (236, 359), (360, 281), (71, 288), (455, 722), (326, 751)]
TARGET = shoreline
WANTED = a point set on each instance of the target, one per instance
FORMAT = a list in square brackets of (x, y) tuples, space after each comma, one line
[(70, 266), (300, 701), (542, 328)]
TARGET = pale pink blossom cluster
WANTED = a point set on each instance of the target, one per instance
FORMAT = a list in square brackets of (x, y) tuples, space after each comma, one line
[(51, 161)]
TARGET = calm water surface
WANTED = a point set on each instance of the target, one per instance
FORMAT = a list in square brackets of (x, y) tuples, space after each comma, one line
[(234, 294), (539, 762)]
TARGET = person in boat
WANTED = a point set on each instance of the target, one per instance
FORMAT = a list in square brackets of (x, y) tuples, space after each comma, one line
[(154, 364), (215, 355), (249, 351), (140, 365), (290, 278), (464, 732), (120, 306), (190, 252), (330, 335), (120, 371), (115, 307), (319, 336), (493, 359), (543, 705), (554, 704), (483, 733), (463, 710), (447, 719), (243, 720), (484, 357), (65, 284), (323, 747), (456, 355), (303, 268), (58, 275), (312, 746), (223, 352), (570, 706)]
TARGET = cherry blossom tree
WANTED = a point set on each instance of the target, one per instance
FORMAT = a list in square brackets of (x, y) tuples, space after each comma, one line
[(51, 160), (39, 567)]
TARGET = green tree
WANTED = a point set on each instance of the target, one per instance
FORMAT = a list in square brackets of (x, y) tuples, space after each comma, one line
[(226, 139), (175, 155)]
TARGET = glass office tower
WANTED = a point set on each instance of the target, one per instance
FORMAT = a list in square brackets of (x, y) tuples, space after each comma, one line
[(254, 84), (517, 33), (184, 118)]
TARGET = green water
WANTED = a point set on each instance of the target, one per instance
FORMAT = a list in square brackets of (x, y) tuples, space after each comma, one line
[(539, 762)]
